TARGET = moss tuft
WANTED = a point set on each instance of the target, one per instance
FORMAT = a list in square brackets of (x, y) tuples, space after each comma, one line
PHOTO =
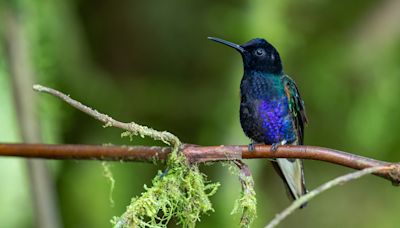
[(246, 205), (181, 193)]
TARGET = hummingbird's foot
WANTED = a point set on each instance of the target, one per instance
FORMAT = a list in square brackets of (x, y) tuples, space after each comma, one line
[(250, 147), (164, 173), (274, 146)]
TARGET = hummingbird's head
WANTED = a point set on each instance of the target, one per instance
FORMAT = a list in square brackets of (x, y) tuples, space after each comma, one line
[(257, 54)]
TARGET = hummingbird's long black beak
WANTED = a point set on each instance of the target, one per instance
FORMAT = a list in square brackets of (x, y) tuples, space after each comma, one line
[(230, 44)]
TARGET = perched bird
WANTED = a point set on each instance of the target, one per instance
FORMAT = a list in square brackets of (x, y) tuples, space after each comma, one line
[(271, 109)]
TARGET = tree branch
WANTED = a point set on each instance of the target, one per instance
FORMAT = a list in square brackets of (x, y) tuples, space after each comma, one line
[(196, 154), (337, 181)]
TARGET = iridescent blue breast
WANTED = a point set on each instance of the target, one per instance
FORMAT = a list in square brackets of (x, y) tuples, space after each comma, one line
[(275, 121)]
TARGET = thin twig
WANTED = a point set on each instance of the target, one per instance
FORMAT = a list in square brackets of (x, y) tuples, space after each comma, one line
[(195, 154), (132, 127), (337, 181)]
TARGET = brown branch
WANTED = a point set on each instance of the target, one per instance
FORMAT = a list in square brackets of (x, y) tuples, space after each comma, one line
[(195, 154)]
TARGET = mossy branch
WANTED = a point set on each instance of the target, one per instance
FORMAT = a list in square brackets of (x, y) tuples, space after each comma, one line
[(196, 154)]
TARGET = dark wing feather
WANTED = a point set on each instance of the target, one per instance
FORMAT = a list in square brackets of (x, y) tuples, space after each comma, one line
[(296, 106)]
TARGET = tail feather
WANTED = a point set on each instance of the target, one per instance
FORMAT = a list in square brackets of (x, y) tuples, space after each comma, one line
[(291, 172)]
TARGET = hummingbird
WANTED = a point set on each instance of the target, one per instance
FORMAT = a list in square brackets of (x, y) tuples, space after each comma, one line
[(271, 108)]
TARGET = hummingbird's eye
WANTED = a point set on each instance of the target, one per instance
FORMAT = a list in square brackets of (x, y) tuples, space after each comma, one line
[(260, 52)]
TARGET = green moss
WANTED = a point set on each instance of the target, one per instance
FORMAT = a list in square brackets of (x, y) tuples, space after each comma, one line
[(182, 193), (246, 205)]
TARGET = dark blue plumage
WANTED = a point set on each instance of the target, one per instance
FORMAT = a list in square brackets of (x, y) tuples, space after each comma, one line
[(265, 116), (271, 109)]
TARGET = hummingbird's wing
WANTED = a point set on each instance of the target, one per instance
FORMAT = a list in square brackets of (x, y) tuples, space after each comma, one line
[(296, 106), (291, 170)]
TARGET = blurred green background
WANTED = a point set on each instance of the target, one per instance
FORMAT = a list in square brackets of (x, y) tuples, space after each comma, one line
[(150, 62)]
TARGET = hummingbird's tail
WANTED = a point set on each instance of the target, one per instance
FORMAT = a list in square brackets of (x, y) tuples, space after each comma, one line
[(291, 172)]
